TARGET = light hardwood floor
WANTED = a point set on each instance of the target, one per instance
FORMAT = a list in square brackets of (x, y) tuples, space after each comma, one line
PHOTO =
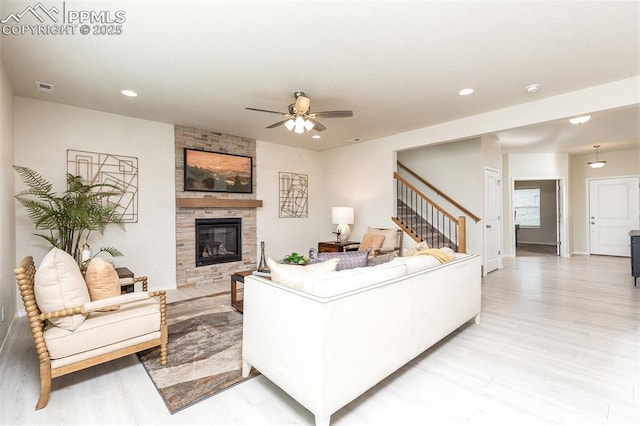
[(559, 343)]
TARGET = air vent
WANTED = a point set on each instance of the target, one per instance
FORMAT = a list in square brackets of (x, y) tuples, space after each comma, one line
[(44, 87)]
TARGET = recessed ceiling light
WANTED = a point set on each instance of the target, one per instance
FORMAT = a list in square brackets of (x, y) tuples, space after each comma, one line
[(465, 92), (315, 137), (532, 88), (580, 120), (129, 93)]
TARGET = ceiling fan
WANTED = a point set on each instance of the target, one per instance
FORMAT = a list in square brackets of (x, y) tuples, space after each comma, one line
[(300, 118)]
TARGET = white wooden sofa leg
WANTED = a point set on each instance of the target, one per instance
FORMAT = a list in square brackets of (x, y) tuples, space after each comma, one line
[(321, 421), (476, 319), (246, 369)]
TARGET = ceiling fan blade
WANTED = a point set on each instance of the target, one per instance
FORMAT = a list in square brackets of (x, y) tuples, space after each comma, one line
[(333, 114), (266, 110), (317, 125), (279, 123)]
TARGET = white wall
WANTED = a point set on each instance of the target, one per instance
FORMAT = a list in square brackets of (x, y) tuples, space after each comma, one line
[(284, 235), (43, 133), (359, 176), (491, 152), (8, 287), (457, 169), (619, 163)]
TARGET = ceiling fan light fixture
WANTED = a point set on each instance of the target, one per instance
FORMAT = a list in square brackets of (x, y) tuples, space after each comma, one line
[(299, 125), (289, 124), (308, 125), (299, 119), (598, 164)]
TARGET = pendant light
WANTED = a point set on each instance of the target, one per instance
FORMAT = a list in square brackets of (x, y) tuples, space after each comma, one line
[(598, 163)]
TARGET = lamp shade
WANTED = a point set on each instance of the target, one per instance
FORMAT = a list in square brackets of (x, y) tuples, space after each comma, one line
[(341, 215)]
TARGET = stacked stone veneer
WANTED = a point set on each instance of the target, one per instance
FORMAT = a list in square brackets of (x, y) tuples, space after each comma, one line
[(186, 272)]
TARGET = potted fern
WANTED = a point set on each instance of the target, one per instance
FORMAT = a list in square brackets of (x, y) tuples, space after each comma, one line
[(69, 219)]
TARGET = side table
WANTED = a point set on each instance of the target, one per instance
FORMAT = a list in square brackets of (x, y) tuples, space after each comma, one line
[(126, 279), (336, 246), (236, 278)]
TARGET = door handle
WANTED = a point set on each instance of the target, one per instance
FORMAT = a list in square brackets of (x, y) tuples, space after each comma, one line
[(488, 226), (593, 223)]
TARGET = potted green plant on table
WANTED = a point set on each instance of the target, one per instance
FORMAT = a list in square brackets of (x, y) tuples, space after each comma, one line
[(69, 219), (296, 259)]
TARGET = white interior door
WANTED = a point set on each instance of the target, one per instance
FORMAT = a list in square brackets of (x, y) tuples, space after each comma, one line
[(614, 210), (492, 219)]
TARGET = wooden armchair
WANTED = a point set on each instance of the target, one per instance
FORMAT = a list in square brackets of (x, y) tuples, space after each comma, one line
[(112, 328)]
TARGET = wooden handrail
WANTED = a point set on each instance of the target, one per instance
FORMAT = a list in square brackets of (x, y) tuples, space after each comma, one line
[(424, 197), (439, 192)]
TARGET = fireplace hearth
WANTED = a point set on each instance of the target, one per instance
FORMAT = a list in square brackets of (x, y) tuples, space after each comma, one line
[(218, 241)]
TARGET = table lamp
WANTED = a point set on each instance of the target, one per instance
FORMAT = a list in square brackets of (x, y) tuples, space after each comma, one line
[(343, 217)]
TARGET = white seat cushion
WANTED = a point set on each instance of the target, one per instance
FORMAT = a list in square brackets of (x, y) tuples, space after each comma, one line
[(105, 328)]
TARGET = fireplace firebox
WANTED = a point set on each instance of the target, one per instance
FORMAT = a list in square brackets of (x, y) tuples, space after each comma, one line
[(218, 241)]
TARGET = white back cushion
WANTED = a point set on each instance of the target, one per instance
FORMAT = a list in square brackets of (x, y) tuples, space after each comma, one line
[(58, 284), (327, 285), (293, 275)]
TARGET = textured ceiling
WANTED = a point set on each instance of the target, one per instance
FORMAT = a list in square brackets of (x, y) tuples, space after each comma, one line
[(398, 65)]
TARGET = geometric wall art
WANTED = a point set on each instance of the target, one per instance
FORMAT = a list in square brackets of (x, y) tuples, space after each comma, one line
[(294, 188), (118, 170)]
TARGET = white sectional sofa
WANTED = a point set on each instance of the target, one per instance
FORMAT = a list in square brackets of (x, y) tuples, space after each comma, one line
[(342, 332)]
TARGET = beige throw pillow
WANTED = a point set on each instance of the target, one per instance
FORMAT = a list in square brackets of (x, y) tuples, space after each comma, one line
[(390, 237), (58, 284), (371, 241), (102, 279)]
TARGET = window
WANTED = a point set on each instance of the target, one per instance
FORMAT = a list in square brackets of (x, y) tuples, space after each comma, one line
[(526, 203)]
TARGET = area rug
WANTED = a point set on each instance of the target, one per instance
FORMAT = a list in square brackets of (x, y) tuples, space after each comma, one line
[(205, 351)]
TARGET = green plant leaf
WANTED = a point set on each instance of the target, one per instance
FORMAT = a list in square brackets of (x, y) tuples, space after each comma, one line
[(69, 218)]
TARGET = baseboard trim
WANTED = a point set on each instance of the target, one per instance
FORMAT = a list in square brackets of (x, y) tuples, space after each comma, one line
[(6, 337)]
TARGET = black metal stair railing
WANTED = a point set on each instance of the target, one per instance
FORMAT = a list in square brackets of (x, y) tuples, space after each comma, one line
[(425, 220)]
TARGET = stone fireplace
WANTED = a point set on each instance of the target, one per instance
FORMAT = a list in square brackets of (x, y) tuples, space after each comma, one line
[(195, 206)]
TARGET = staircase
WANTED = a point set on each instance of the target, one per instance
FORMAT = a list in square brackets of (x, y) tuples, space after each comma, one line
[(419, 228), (425, 220)]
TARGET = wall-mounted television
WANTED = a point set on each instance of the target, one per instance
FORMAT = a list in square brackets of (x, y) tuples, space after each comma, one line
[(217, 172)]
